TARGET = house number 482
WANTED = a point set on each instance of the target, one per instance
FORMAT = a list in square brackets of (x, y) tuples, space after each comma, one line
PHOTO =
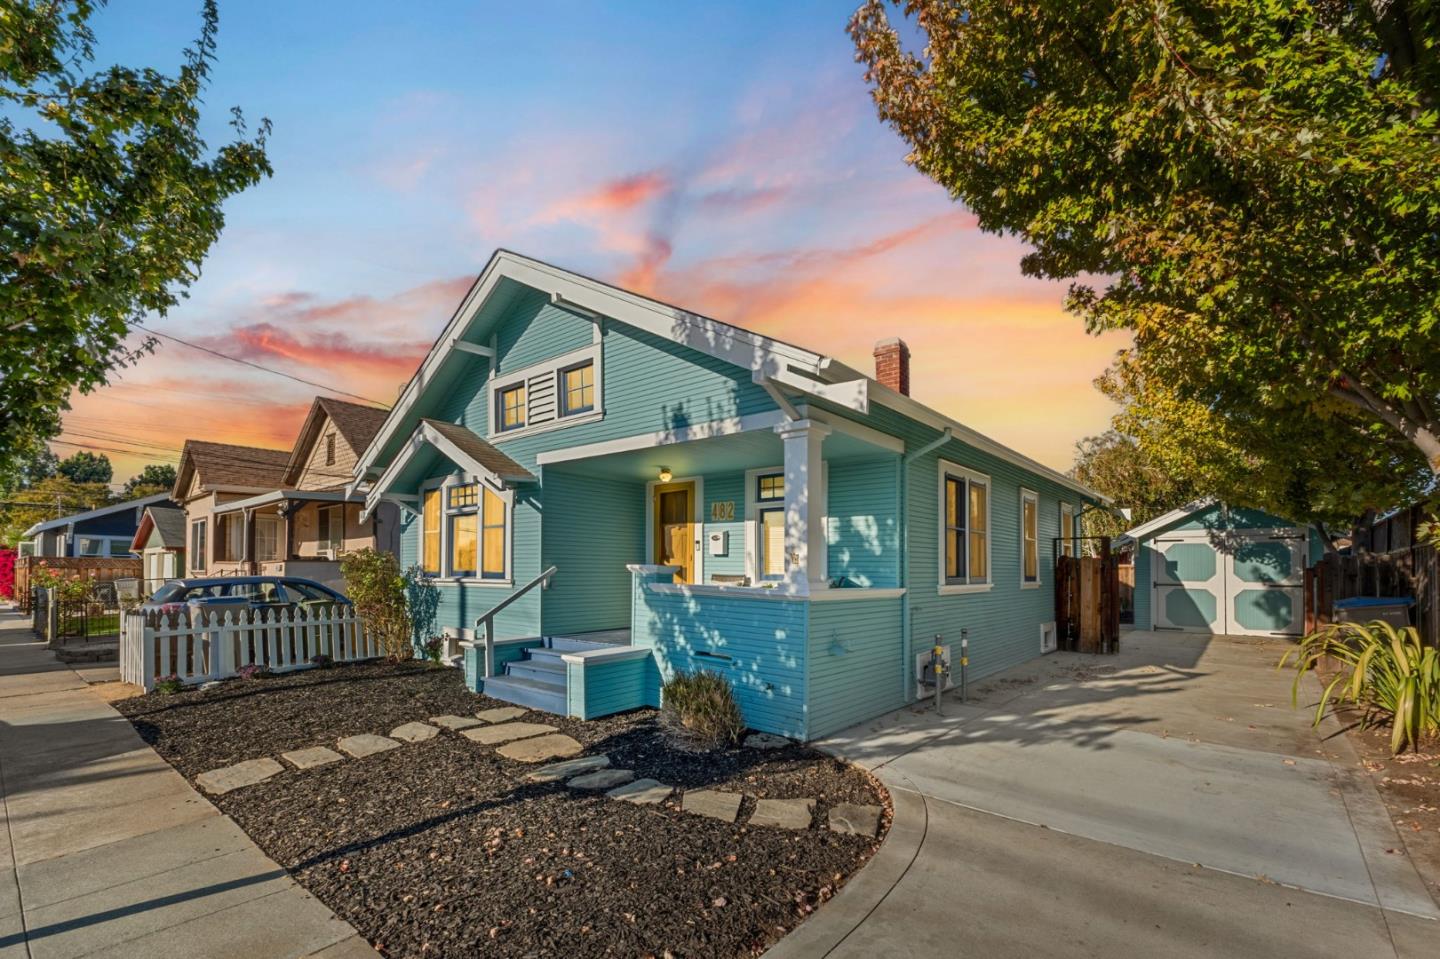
[(721, 511)]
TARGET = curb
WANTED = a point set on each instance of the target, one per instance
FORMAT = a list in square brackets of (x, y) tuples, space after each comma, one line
[(823, 932)]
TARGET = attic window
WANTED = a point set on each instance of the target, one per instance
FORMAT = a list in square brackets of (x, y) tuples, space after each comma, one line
[(330, 450)]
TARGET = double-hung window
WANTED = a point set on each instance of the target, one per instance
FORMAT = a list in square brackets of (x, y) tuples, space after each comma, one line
[(267, 537), (1067, 530), (965, 527), (1029, 538), (770, 514), (332, 528), (466, 525), (511, 412), (577, 389)]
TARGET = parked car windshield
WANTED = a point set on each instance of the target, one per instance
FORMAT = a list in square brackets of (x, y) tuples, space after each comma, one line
[(307, 592)]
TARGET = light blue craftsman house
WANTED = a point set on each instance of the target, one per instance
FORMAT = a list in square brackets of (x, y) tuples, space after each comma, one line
[(608, 489)]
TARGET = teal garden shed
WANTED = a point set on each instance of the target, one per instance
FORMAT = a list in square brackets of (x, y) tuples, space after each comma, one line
[(1211, 568)]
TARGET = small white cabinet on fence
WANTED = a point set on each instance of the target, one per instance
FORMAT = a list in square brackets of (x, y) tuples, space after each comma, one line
[(195, 644)]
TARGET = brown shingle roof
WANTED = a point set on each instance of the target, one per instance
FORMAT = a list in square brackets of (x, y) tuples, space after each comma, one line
[(223, 464), (356, 424), (481, 452)]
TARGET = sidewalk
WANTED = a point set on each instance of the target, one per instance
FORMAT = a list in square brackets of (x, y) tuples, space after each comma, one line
[(107, 851)]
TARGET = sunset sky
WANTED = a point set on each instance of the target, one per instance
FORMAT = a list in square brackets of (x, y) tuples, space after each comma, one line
[(725, 158)]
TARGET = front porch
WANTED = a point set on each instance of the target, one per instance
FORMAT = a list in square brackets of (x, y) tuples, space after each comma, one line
[(770, 554), (299, 533)]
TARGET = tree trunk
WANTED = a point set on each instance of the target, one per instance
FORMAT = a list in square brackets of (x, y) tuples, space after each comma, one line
[(1423, 434)]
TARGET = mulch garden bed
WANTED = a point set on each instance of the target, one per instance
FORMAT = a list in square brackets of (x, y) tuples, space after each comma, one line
[(441, 848)]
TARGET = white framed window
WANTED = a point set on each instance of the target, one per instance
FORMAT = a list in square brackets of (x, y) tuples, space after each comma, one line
[(267, 537), (331, 533), (1067, 530), (964, 529), (577, 389), (197, 545), (465, 530), (1029, 538), (768, 493), (229, 537)]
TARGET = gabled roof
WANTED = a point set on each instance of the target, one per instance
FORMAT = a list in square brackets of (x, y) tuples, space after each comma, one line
[(461, 447), (357, 425), (222, 465), (1160, 522), (65, 521), (773, 363), (167, 522)]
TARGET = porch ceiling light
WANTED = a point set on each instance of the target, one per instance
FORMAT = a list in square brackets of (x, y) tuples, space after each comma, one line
[(665, 474)]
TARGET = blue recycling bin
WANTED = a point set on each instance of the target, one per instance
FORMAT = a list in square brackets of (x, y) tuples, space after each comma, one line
[(1394, 610)]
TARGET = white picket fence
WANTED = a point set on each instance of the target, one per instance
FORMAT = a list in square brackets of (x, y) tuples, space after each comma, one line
[(200, 645)]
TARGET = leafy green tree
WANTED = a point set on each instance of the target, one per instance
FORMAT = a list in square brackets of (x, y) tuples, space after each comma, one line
[(154, 478), (1249, 187), (109, 201), (86, 467), (1116, 465), (45, 500)]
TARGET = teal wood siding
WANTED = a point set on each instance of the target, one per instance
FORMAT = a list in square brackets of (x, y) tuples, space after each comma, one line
[(855, 670), (764, 640), (1143, 586), (593, 527), (725, 488), (537, 331), (1003, 623), (864, 527), (602, 688)]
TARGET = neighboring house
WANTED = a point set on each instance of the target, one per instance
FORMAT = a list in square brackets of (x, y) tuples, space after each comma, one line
[(107, 531), (160, 541), (710, 499), (253, 511), (1209, 568)]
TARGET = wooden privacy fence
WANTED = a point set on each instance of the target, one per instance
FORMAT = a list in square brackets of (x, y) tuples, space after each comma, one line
[(1087, 603), (196, 645), (1413, 572)]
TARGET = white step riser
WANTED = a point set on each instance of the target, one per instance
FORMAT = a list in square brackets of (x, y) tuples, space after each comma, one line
[(566, 645), (544, 700)]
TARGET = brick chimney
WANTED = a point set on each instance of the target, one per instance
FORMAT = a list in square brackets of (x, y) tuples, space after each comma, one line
[(892, 364)]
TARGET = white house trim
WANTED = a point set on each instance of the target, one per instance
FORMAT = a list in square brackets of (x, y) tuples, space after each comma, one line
[(427, 434), (697, 508), (1160, 522), (644, 441), (1030, 496), (444, 575), (948, 468)]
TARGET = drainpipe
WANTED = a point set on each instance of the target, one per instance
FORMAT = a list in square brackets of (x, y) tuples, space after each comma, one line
[(905, 461)]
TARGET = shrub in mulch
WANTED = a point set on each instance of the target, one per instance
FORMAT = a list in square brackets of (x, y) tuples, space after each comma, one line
[(702, 704), (441, 848)]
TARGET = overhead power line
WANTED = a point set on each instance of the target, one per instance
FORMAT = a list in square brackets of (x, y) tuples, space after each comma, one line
[(265, 369)]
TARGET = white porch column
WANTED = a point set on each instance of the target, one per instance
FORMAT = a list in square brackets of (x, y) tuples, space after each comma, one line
[(805, 541)]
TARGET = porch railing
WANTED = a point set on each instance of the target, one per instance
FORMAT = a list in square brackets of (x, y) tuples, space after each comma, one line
[(486, 623)]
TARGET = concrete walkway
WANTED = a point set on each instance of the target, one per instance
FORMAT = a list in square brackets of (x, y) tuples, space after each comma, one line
[(1167, 801), (105, 850)]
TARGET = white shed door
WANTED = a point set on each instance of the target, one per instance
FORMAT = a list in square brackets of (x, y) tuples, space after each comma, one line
[(1244, 583)]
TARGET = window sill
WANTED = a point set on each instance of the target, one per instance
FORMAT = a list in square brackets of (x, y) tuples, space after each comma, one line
[(473, 581), (576, 419), (1035, 585), (960, 589)]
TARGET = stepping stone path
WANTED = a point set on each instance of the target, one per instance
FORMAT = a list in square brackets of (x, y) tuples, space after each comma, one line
[(540, 748), (501, 714), (604, 779), (645, 791), (504, 732), (783, 813), (415, 732), (716, 805), (366, 744), (217, 782), (570, 767), (765, 741), (312, 757), (855, 819), (456, 723)]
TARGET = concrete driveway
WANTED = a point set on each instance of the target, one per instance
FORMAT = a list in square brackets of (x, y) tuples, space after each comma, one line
[(1167, 800)]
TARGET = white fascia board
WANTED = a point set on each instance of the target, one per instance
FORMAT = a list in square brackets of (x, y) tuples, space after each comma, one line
[(921, 413), (756, 422), (860, 431), (424, 435), (741, 347), (851, 394), (1160, 522)]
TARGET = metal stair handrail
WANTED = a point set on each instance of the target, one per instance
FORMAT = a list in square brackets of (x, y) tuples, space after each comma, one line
[(486, 622)]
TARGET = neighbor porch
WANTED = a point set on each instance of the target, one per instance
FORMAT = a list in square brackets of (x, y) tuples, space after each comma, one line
[(301, 533)]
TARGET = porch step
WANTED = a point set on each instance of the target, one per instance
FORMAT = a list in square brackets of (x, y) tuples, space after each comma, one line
[(567, 644), (531, 693), (542, 670)]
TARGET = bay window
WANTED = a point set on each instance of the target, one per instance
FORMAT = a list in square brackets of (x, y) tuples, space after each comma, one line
[(466, 524)]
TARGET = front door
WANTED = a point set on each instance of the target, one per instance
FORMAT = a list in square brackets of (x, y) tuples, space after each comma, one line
[(674, 509)]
